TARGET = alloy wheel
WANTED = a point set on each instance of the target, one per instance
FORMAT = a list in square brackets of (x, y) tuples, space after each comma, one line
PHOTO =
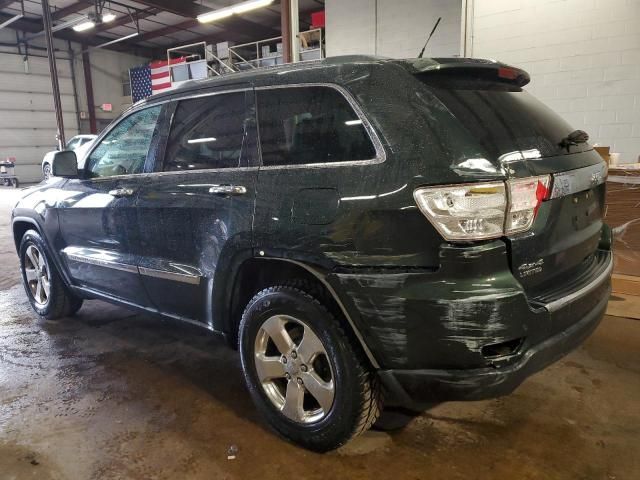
[(37, 275), (294, 369), (46, 171)]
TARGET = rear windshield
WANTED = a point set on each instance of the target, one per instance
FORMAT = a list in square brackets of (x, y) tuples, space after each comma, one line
[(502, 118)]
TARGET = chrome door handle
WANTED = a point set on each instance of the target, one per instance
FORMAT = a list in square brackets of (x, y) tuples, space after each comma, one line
[(228, 190), (122, 192)]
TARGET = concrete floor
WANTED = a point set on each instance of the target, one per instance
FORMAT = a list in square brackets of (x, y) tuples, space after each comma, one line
[(112, 394)]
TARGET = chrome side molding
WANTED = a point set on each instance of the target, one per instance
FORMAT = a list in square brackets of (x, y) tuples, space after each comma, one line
[(101, 258), (107, 259), (166, 275)]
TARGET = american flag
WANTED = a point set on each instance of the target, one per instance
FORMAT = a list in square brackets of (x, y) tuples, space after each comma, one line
[(152, 78)]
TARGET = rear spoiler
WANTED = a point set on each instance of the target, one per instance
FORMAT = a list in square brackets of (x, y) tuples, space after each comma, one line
[(479, 68)]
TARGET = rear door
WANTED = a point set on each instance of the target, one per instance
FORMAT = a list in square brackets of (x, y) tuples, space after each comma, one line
[(195, 213), (98, 220), (318, 155)]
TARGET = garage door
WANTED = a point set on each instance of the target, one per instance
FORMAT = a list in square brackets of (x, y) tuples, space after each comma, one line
[(27, 115)]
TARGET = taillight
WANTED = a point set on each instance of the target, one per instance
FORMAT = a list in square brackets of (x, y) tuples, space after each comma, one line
[(525, 197), (465, 212), (479, 211)]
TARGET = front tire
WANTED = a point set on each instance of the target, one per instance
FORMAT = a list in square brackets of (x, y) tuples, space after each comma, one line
[(48, 295), (304, 375)]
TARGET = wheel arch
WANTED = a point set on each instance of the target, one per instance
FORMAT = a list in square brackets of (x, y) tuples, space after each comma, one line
[(20, 226), (257, 273)]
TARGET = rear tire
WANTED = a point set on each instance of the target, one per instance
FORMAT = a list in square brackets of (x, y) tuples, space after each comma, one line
[(46, 171), (47, 293), (310, 383)]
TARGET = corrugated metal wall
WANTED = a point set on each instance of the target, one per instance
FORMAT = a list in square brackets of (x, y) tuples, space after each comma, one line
[(27, 116)]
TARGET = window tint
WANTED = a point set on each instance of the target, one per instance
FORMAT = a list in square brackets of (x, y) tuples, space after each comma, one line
[(211, 132), (124, 150), (303, 125), (503, 118)]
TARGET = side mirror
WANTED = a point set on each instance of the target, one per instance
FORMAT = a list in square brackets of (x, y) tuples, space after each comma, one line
[(65, 164)]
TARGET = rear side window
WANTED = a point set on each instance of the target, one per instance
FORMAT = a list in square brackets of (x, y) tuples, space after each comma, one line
[(211, 132), (501, 117), (307, 125)]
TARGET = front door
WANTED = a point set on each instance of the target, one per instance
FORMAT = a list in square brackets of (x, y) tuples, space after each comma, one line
[(196, 211), (98, 221)]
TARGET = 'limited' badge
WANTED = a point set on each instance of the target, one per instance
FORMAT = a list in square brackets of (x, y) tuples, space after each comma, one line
[(533, 268)]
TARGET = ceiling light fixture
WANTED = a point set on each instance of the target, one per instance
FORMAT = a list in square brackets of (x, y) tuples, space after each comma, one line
[(69, 23), (233, 9), (108, 17), (88, 25)]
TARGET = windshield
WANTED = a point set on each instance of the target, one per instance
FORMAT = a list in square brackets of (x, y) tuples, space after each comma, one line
[(502, 118)]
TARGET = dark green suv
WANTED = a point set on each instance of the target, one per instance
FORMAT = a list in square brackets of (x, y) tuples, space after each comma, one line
[(364, 230)]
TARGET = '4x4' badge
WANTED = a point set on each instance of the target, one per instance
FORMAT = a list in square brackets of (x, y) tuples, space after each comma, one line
[(533, 268)]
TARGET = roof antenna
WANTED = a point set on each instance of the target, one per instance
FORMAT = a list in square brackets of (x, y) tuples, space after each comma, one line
[(430, 35)]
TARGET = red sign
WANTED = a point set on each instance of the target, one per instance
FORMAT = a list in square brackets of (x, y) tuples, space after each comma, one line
[(107, 107)]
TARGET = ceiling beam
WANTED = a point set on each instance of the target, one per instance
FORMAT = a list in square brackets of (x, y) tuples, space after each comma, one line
[(168, 30), (35, 26), (192, 10), (69, 10), (183, 8), (125, 19)]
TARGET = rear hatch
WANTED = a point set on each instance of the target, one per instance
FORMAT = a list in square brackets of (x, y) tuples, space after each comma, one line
[(503, 129)]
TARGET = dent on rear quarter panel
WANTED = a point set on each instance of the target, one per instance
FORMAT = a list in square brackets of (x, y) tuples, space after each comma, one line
[(374, 297), (439, 319)]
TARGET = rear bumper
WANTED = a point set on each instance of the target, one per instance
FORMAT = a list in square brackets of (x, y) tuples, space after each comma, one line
[(414, 388), (439, 336)]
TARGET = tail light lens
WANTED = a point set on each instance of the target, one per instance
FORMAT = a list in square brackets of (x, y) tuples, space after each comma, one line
[(525, 197), (465, 212), (480, 211)]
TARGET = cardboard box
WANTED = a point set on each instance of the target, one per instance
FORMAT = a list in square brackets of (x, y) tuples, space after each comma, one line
[(604, 153)]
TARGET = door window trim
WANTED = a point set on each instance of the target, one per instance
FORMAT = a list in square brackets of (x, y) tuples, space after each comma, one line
[(380, 157)]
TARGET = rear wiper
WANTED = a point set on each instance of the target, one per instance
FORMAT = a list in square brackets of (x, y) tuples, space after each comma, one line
[(574, 138)]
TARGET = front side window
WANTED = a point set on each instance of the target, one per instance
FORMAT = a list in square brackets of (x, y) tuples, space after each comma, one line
[(210, 133), (306, 125), (123, 151)]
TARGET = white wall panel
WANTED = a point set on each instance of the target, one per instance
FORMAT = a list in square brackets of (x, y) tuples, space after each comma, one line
[(392, 28), (583, 57), (35, 65), (36, 137), (33, 119), (35, 101), (38, 83)]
